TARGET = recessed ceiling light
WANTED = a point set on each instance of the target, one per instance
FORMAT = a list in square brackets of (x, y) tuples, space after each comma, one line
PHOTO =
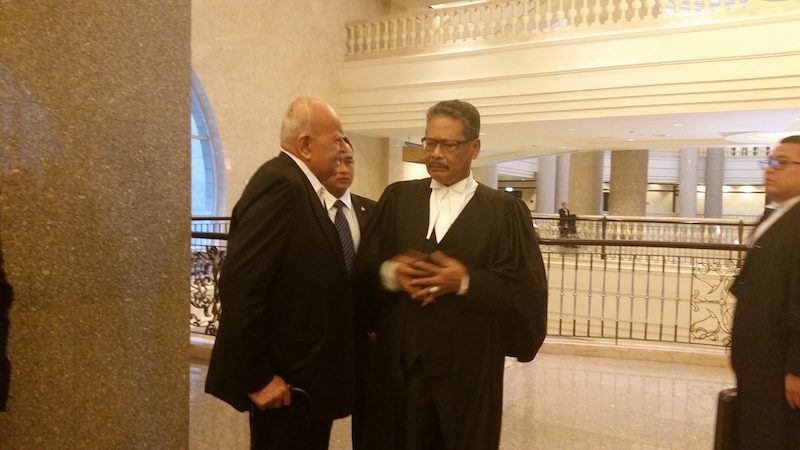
[(677, 124)]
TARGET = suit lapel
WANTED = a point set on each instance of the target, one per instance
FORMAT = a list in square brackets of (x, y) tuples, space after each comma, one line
[(321, 215), (362, 214)]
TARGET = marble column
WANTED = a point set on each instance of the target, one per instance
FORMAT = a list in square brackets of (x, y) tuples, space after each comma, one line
[(562, 181), (715, 175), (586, 183), (95, 222), (687, 175), (486, 175), (546, 185), (628, 184)]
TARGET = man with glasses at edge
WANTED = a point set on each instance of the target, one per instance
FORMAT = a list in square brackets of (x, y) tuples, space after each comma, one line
[(460, 284), (765, 349)]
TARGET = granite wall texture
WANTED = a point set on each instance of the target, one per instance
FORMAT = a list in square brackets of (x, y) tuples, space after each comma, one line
[(94, 204)]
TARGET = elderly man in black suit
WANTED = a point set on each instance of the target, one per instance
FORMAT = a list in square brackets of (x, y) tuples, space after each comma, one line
[(286, 294), (765, 350), (463, 285)]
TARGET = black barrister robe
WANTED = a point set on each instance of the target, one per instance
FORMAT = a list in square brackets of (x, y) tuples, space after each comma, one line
[(462, 339), (766, 335)]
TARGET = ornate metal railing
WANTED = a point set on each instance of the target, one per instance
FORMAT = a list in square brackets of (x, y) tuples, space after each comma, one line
[(209, 244), (645, 289)]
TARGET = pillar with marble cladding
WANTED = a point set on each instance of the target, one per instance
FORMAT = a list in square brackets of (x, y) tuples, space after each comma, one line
[(688, 182), (562, 181), (628, 185), (715, 177), (586, 183), (95, 208), (486, 175), (546, 185)]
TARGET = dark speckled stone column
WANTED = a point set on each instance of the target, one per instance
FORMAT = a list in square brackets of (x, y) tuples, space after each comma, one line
[(628, 190), (95, 178)]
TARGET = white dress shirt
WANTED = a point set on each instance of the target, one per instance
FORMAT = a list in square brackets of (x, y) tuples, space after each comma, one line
[(446, 204), (328, 200), (315, 183), (780, 209)]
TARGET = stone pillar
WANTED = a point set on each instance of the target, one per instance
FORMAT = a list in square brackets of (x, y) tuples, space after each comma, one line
[(715, 174), (562, 181), (628, 186), (546, 185), (95, 222), (486, 175), (688, 182), (586, 183)]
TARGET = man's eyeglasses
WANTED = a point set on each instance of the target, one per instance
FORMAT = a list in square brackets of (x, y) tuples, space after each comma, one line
[(777, 164), (446, 145)]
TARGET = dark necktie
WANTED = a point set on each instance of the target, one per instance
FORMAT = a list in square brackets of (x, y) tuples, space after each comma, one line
[(343, 227)]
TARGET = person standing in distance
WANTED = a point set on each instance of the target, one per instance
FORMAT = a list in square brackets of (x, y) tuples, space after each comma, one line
[(457, 271), (286, 317), (357, 211), (765, 348)]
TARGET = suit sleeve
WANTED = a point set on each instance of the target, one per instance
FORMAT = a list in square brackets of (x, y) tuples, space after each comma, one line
[(793, 317), (255, 249)]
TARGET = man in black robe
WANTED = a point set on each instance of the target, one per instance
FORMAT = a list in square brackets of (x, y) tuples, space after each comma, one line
[(461, 283), (765, 349)]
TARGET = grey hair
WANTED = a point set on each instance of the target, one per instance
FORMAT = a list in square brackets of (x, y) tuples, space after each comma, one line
[(460, 110), (297, 120)]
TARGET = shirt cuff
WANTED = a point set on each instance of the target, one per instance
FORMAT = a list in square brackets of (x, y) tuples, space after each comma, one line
[(464, 285), (388, 275)]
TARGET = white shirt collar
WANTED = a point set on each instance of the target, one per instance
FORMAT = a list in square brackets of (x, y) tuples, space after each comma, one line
[(789, 204), (315, 183), (329, 199), (459, 187)]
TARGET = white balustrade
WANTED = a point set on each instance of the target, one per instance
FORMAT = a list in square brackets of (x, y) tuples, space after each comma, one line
[(510, 19)]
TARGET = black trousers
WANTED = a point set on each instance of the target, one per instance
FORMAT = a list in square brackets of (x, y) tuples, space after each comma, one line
[(279, 430)]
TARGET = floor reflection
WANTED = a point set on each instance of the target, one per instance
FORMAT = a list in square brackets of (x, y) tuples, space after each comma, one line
[(555, 402)]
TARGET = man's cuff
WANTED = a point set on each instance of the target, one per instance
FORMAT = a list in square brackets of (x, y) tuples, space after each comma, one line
[(388, 275), (464, 285)]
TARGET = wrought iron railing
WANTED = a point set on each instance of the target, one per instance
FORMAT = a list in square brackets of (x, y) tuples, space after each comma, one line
[(632, 286)]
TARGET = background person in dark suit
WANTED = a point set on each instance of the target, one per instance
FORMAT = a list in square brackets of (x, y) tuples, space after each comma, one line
[(765, 350), (6, 295), (358, 210), (566, 221), (286, 294), (463, 286)]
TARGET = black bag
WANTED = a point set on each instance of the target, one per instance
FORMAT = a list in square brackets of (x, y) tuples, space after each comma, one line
[(725, 435)]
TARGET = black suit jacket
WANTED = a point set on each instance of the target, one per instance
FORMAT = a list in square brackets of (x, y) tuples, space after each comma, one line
[(363, 208), (286, 297), (766, 336), (766, 328)]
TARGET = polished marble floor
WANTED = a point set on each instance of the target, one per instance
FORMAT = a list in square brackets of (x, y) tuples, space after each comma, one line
[(557, 401)]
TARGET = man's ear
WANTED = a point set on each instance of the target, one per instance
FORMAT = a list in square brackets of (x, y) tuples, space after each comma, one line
[(475, 148), (304, 146)]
